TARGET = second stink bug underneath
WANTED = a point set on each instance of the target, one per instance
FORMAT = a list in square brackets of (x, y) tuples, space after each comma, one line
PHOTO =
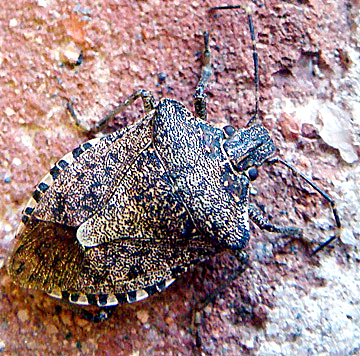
[(120, 217)]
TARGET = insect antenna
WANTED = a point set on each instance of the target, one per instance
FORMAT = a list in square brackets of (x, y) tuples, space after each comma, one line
[(323, 194), (255, 116)]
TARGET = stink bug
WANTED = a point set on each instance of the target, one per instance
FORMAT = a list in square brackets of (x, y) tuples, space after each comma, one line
[(119, 218)]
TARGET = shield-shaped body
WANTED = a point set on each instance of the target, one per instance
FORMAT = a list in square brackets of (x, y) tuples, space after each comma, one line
[(120, 217)]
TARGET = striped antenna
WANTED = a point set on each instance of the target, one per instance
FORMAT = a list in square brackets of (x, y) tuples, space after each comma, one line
[(255, 117)]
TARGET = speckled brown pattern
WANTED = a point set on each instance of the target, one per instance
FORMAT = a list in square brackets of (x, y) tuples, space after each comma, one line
[(119, 216), (305, 60)]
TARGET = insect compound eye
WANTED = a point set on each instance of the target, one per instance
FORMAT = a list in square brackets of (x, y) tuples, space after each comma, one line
[(228, 131), (253, 173)]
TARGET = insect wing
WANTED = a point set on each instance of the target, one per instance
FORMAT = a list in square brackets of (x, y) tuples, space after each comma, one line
[(91, 174), (132, 244)]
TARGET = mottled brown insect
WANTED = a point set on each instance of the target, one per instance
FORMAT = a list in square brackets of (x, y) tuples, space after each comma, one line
[(120, 217)]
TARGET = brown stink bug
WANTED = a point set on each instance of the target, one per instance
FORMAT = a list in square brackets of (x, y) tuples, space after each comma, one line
[(120, 217)]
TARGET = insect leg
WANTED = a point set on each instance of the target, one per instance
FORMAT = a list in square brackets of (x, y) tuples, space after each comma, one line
[(321, 192), (100, 315), (199, 95), (145, 95), (95, 316), (257, 216), (242, 257)]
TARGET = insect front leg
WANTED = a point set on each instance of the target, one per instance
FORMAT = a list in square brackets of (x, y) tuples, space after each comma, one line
[(257, 216), (199, 95), (146, 96)]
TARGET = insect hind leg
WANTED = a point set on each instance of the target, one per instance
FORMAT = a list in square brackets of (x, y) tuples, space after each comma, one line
[(101, 315), (97, 315)]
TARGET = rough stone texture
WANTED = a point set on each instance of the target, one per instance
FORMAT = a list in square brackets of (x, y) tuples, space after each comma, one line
[(286, 303)]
